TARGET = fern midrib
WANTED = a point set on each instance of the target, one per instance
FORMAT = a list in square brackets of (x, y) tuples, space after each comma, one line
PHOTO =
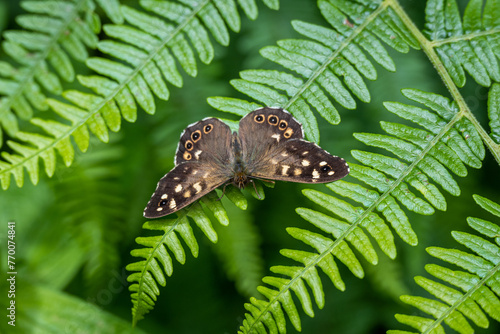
[(42, 56), (322, 68), (111, 96), (464, 37), (462, 299)]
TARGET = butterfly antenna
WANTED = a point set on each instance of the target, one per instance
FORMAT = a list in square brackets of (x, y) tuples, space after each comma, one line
[(223, 192), (255, 188)]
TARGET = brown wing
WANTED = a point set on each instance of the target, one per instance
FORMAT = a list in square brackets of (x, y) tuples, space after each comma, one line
[(183, 185), (203, 161), (208, 139), (264, 128), (298, 160), (273, 148)]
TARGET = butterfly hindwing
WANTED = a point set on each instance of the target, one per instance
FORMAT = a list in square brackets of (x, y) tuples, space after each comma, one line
[(183, 185), (298, 160)]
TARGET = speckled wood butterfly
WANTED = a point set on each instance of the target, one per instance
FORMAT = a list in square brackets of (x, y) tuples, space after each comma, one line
[(270, 145)]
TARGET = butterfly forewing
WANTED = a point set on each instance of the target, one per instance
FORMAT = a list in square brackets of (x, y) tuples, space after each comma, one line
[(203, 162), (183, 185), (262, 129), (206, 140)]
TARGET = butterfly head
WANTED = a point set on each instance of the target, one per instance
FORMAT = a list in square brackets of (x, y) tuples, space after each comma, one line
[(240, 179)]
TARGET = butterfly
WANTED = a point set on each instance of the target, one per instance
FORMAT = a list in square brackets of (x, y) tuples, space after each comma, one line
[(270, 145)]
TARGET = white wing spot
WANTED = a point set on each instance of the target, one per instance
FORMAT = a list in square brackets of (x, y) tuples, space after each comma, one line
[(274, 161), (164, 196), (285, 169), (322, 163), (197, 154), (284, 154), (305, 153), (305, 163), (197, 187), (331, 172), (276, 136), (178, 188), (159, 209), (297, 171), (172, 204), (315, 174)]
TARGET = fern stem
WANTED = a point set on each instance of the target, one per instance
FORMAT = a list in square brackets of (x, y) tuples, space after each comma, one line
[(429, 49)]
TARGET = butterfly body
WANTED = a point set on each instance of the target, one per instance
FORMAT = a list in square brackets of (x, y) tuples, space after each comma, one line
[(269, 145)]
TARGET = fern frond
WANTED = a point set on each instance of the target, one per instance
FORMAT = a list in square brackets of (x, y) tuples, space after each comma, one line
[(148, 273), (146, 51), (442, 146), (479, 284), (54, 32), (470, 44), (320, 63), (494, 112)]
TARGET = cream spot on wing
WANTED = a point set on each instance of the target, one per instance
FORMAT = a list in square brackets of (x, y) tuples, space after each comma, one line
[(187, 194), (297, 171), (159, 209), (284, 169), (164, 196), (178, 188), (305, 163), (274, 161), (276, 136), (197, 187), (315, 174), (284, 154), (172, 204), (197, 154), (331, 172), (305, 153), (177, 178), (322, 163)]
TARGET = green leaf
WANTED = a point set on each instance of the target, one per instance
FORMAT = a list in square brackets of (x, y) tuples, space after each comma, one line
[(494, 111)]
